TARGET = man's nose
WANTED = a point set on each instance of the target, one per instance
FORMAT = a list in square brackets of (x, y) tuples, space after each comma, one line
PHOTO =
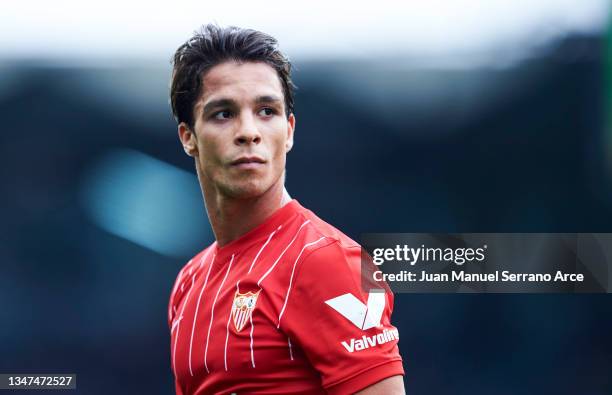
[(248, 132)]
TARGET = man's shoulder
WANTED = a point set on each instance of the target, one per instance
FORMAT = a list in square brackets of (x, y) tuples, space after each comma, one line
[(195, 262), (187, 272), (336, 238), (327, 250)]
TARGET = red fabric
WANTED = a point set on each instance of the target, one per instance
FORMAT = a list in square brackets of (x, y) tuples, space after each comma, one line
[(258, 315)]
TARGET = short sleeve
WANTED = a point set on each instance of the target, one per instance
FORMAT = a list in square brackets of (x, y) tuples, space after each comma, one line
[(344, 330), (175, 297), (171, 303), (179, 289)]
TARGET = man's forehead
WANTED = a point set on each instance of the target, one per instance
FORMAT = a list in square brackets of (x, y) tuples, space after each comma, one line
[(240, 81)]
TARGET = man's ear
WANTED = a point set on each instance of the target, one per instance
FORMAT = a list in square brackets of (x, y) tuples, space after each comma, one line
[(188, 139), (290, 130)]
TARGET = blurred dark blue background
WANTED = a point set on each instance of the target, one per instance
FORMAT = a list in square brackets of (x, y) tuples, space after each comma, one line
[(101, 208)]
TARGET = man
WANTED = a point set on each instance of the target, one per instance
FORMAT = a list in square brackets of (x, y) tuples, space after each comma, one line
[(275, 305)]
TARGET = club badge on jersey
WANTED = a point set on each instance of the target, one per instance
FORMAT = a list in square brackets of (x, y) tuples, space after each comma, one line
[(242, 308)]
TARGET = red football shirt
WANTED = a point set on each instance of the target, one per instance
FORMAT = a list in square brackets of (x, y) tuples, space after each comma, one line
[(280, 310)]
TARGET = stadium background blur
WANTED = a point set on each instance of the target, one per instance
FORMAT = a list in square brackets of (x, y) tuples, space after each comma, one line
[(101, 208)]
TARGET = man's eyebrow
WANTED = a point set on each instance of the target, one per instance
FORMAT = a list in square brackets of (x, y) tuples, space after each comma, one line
[(267, 99), (218, 103)]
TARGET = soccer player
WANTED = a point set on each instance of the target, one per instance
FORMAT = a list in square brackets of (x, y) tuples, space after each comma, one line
[(275, 305)]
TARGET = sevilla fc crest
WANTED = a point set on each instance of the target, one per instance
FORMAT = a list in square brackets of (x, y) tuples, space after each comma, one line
[(242, 308)]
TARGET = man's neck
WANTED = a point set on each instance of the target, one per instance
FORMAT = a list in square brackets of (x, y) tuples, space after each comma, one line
[(232, 218)]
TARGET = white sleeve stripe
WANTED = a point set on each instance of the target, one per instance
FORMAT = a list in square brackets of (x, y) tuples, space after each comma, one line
[(195, 314), (229, 318), (178, 326), (282, 253), (262, 248), (291, 279), (252, 329), (204, 258), (290, 349), (180, 278), (212, 313)]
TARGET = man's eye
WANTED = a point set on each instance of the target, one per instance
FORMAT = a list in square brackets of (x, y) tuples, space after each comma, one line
[(266, 111), (225, 114)]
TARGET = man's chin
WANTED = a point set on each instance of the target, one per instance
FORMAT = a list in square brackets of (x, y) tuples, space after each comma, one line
[(248, 190)]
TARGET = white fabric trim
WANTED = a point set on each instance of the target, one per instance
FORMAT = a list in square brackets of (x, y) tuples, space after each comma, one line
[(212, 313), (195, 314)]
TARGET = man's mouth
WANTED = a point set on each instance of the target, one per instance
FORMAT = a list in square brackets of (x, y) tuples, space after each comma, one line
[(248, 162)]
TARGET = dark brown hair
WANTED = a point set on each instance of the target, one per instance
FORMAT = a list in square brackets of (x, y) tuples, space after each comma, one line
[(213, 45)]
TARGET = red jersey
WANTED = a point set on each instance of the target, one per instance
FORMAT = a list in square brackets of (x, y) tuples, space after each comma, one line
[(280, 310)]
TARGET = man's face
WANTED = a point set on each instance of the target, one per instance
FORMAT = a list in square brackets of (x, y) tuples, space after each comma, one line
[(241, 135)]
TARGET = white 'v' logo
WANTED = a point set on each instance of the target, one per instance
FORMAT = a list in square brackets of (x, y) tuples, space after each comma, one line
[(362, 316)]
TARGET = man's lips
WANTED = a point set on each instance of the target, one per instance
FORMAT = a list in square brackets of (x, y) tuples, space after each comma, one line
[(248, 162)]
